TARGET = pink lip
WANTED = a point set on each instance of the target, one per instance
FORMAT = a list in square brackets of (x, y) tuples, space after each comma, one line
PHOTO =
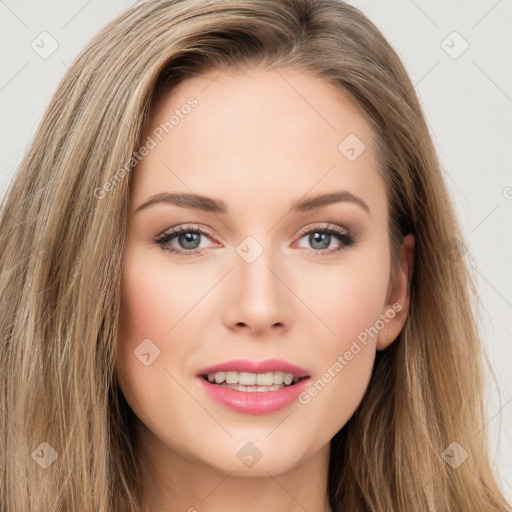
[(257, 402), (245, 365)]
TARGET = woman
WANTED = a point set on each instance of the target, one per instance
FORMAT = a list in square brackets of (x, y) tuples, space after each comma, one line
[(231, 278)]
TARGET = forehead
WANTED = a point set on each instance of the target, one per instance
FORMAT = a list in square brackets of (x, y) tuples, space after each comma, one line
[(276, 133)]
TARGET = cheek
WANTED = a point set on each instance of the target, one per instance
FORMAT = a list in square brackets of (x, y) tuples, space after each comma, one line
[(351, 313), (147, 311), (154, 299), (161, 303), (154, 306), (349, 300)]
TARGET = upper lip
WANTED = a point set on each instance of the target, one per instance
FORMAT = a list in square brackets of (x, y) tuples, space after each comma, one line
[(266, 366)]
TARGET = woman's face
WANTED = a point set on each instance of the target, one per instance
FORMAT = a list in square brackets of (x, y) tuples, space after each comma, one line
[(254, 276)]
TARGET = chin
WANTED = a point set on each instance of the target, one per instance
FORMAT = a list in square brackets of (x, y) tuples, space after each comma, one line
[(256, 458)]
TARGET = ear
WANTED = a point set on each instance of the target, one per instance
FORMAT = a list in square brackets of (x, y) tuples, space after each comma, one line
[(396, 308)]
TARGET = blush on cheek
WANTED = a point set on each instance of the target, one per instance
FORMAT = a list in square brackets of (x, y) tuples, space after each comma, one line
[(132, 315), (141, 294), (356, 322)]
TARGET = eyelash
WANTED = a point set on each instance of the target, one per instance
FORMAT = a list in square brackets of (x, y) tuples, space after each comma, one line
[(345, 236)]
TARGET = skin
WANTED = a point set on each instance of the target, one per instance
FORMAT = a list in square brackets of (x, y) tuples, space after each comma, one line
[(260, 140)]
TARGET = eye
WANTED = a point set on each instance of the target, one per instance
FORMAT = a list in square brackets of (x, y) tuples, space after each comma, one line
[(187, 238), (320, 238)]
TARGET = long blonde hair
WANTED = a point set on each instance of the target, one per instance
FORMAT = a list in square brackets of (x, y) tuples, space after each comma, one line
[(63, 225)]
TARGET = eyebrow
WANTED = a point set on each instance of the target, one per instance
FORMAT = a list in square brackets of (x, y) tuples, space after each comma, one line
[(211, 205)]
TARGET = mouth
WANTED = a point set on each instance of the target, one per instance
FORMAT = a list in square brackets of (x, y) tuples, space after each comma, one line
[(253, 382)]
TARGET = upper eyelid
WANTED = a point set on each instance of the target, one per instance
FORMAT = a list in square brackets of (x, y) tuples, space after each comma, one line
[(207, 230), (323, 226)]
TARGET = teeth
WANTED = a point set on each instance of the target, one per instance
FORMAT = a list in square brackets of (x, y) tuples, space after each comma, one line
[(231, 377), (219, 377), (257, 380), (248, 379), (252, 389), (278, 377)]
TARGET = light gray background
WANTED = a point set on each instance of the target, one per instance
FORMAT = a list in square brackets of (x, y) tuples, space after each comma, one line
[(467, 99)]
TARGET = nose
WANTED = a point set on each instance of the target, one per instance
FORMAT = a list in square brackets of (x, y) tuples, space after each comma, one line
[(259, 299)]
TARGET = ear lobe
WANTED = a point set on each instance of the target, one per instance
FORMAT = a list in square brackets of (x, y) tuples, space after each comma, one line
[(397, 307)]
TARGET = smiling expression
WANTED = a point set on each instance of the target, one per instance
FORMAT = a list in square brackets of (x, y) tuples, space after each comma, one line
[(285, 255)]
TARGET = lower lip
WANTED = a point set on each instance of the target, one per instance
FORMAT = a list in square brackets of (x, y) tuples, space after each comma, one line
[(257, 402)]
